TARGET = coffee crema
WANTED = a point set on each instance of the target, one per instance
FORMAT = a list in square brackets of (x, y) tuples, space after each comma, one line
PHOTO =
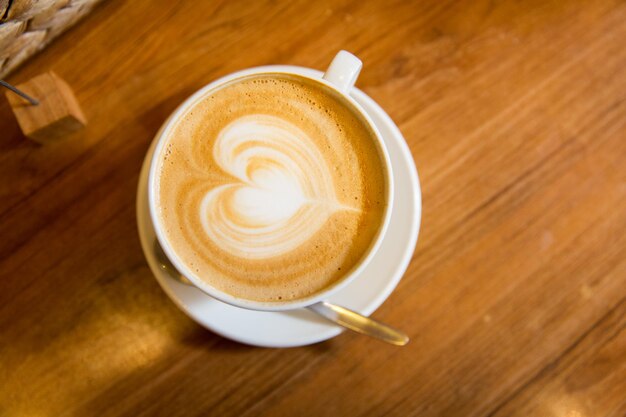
[(271, 188)]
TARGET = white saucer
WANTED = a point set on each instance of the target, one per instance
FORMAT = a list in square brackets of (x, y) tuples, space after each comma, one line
[(365, 294)]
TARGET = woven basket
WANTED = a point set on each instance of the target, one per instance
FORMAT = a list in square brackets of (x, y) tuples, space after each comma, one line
[(27, 26)]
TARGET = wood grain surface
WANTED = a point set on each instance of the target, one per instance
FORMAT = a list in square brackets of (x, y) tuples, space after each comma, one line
[(515, 113)]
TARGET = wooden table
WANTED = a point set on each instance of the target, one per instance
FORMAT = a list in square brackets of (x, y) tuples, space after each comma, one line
[(515, 113)]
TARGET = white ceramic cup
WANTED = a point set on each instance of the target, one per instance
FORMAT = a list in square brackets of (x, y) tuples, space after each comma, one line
[(340, 76)]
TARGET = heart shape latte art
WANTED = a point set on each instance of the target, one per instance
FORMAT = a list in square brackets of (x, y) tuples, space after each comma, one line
[(284, 193)]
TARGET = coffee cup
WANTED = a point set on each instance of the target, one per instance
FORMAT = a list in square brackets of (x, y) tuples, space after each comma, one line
[(260, 152)]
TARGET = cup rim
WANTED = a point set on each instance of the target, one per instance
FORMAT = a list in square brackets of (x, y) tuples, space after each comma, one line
[(214, 292)]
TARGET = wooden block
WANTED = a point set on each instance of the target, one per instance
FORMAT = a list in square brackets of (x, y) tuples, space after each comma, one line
[(57, 114)]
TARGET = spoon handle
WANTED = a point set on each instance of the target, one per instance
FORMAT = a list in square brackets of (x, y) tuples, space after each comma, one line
[(338, 315), (359, 323)]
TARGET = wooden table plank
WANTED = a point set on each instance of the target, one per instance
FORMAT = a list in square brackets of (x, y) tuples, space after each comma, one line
[(515, 113), (589, 378)]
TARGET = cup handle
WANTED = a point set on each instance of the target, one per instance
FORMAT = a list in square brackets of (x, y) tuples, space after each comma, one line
[(343, 71)]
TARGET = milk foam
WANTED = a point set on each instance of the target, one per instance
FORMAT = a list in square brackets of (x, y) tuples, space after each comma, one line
[(270, 188), (284, 194)]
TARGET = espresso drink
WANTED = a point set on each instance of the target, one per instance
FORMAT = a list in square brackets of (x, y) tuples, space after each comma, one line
[(271, 188)]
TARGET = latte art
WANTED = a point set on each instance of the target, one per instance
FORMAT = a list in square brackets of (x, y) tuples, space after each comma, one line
[(285, 192), (270, 188)]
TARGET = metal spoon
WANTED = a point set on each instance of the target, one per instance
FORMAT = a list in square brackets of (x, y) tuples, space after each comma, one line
[(337, 314)]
